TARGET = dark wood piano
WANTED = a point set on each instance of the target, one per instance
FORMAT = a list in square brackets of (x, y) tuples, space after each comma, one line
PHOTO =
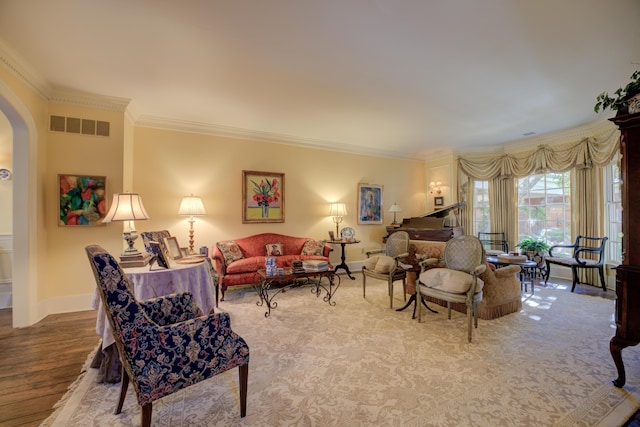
[(432, 226)]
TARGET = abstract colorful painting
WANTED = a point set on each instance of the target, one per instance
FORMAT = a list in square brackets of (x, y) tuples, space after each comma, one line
[(82, 200)]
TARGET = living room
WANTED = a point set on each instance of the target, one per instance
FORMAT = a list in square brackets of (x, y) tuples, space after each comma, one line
[(164, 159)]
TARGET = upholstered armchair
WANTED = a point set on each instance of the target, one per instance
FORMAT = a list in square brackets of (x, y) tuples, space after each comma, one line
[(165, 344), (386, 264), (586, 253), (459, 281)]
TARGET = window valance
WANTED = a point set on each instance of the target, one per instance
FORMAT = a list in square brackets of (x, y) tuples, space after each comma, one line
[(582, 154)]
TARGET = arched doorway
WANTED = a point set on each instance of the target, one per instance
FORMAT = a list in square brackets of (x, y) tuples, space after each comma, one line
[(24, 289)]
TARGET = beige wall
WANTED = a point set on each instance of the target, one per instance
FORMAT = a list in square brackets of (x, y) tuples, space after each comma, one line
[(164, 165), (6, 187), (68, 271), (170, 164), (26, 109)]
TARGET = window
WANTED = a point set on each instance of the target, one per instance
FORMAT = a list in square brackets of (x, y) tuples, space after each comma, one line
[(613, 211), (481, 207), (544, 207)]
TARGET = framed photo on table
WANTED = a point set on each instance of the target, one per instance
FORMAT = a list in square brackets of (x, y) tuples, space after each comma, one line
[(262, 197), (173, 247), (369, 204), (159, 255)]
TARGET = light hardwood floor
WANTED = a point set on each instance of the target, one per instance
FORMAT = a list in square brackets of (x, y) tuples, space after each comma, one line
[(38, 363)]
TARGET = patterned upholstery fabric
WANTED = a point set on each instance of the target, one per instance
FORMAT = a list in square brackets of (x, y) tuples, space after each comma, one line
[(165, 344), (464, 254), (230, 251), (155, 236), (274, 249), (387, 266), (313, 247)]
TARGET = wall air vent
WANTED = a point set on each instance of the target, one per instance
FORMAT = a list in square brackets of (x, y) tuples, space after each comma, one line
[(79, 126)]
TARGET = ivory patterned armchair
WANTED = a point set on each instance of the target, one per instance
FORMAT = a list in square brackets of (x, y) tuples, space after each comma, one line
[(459, 282), (166, 343), (385, 264)]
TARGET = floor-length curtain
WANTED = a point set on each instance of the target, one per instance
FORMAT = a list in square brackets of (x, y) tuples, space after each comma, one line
[(587, 207), (584, 156), (465, 194), (503, 208)]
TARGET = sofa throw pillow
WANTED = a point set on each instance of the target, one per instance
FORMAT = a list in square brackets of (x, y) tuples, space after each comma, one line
[(313, 247), (274, 249), (370, 263), (454, 281), (385, 264), (230, 251)]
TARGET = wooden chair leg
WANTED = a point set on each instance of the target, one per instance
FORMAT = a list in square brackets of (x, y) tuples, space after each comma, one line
[(602, 282), (364, 285), (574, 274), (546, 276), (390, 292), (243, 376), (469, 321), (146, 415), (123, 390)]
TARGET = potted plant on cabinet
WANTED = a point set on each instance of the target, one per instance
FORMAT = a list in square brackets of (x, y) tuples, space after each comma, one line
[(626, 99)]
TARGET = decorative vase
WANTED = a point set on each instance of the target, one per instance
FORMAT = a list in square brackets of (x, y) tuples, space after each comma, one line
[(265, 211)]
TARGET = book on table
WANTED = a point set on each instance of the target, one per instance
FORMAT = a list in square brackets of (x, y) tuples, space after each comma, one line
[(315, 265)]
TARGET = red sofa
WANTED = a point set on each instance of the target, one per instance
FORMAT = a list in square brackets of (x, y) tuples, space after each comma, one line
[(237, 261)]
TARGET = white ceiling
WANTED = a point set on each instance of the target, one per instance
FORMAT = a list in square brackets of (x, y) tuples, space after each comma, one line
[(392, 77)]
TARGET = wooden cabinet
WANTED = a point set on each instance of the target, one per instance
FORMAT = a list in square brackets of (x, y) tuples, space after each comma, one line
[(628, 274)]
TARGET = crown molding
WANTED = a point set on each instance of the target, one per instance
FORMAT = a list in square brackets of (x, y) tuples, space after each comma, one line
[(11, 60), (271, 137), (80, 99)]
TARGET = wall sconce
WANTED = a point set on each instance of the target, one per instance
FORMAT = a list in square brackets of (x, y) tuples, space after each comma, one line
[(337, 211), (395, 209), (5, 174), (191, 206), (434, 187), (127, 207)]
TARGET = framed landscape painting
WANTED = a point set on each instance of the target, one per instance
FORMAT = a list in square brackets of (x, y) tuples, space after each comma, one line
[(82, 200), (262, 197), (369, 204)]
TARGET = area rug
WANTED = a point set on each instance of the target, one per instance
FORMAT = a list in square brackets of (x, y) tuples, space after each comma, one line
[(359, 363)]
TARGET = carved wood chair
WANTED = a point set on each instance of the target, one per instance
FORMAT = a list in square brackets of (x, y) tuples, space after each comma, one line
[(459, 281), (387, 265), (165, 343), (586, 253), (494, 243)]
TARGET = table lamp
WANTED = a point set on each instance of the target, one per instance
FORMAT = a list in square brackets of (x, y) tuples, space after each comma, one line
[(337, 211), (395, 209), (127, 207), (191, 206)]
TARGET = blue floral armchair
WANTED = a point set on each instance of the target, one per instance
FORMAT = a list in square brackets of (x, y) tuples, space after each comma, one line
[(166, 343)]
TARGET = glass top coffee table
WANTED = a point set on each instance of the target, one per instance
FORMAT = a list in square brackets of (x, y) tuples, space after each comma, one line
[(270, 286)]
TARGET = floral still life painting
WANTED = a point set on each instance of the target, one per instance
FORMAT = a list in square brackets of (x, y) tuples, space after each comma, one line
[(82, 200), (262, 197)]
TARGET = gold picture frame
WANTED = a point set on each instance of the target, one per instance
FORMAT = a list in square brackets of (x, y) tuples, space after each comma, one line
[(262, 197)]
